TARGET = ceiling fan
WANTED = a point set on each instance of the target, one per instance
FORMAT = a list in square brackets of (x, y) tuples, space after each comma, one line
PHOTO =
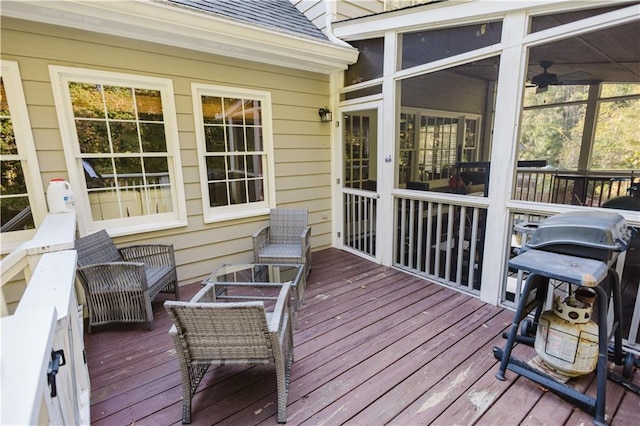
[(542, 81)]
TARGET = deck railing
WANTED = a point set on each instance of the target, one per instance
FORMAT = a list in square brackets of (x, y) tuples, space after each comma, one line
[(359, 225), (588, 188), (440, 240), (44, 333)]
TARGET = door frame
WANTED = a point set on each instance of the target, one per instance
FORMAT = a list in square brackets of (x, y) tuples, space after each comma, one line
[(339, 190)]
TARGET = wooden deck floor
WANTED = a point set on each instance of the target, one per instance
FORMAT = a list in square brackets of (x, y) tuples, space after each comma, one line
[(374, 346)]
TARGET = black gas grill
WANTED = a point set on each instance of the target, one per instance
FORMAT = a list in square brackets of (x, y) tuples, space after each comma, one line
[(591, 235), (577, 248)]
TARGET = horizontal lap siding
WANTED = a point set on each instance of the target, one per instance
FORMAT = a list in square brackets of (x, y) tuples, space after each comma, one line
[(301, 142)]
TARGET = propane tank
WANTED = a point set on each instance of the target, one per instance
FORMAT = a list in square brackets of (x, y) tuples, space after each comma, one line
[(567, 339), (59, 196)]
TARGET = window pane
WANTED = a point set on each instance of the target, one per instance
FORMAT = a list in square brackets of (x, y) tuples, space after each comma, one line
[(8, 146), (4, 105), (256, 190), (254, 138), (233, 113), (100, 171), (153, 137), (254, 166), (218, 195), (93, 136), (104, 204), (124, 149), (16, 214), (236, 167), (119, 101), (238, 192), (149, 105), (422, 47), (252, 113), (124, 137), (212, 110), (15, 209), (12, 179), (129, 171), (87, 100), (235, 139), (214, 138), (216, 169), (233, 134), (157, 166)]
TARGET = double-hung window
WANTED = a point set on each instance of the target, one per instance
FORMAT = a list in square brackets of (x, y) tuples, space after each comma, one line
[(22, 202), (234, 137), (121, 144)]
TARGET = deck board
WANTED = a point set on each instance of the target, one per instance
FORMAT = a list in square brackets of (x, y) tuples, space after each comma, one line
[(374, 346)]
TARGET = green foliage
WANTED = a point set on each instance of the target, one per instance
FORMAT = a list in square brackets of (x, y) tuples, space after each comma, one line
[(554, 133)]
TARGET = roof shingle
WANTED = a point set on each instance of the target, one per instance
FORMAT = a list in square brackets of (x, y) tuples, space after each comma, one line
[(274, 14)]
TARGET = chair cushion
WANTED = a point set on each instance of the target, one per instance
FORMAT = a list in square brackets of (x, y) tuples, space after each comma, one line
[(273, 252)]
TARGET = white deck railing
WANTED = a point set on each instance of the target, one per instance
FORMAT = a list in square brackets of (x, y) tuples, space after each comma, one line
[(441, 240), (46, 320)]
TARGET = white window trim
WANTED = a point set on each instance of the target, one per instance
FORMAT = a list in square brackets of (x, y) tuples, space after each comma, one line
[(222, 213), (60, 78), (10, 72)]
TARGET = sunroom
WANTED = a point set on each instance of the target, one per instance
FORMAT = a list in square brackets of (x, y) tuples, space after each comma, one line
[(461, 121)]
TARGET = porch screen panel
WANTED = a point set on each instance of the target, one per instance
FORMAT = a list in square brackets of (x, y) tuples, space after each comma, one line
[(422, 47), (370, 61)]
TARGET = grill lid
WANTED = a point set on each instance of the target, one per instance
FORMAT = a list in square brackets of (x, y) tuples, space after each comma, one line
[(603, 231)]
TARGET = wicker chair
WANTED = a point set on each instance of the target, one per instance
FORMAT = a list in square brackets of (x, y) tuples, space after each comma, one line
[(287, 239), (120, 284), (206, 333)]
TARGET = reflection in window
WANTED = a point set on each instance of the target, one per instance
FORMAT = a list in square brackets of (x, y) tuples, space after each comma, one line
[(15, 209), (357, 151), (121, 135), (233, 149)]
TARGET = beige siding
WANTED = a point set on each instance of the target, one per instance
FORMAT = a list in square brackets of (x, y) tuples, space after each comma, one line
[(302, 145), (355, 8), (316, 10)]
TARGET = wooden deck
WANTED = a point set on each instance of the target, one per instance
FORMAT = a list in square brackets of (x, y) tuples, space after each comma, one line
[(374, 346)]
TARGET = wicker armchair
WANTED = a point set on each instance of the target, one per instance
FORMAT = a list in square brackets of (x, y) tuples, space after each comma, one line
[(287, 239), (206, 333), (120, 284)]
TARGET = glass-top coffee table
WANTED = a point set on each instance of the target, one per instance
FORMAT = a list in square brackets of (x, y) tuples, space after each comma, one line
[(228, 282)]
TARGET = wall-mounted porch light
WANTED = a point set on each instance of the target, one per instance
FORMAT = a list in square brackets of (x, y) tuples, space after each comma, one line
[(325, 115)]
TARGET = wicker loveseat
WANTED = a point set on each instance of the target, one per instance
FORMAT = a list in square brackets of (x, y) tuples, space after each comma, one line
[(120, 284), (206, 332)]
